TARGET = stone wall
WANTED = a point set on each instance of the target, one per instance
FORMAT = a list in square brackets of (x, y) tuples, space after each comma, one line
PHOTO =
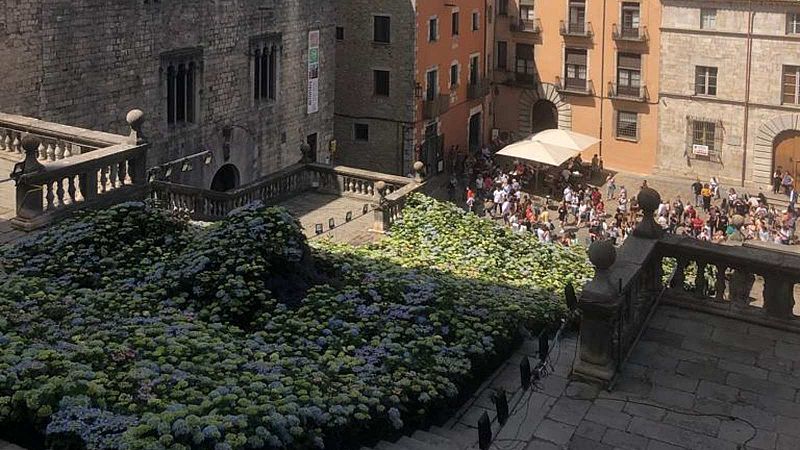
[(87, 62), (356, 58), (684, 45)]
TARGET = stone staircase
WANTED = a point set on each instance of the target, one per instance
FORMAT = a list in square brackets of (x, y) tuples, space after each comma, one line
[(436, 438)]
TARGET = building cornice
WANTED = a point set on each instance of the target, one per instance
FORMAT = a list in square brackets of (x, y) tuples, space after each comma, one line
[(736, 34), (730, 102)]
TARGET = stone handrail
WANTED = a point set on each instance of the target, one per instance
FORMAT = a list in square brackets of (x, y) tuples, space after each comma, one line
[(207, 205), (112, 172), (617, 303), (390, 209), (56, 141)]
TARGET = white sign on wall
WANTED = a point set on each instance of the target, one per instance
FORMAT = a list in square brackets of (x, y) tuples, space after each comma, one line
[(313, 71), (700, 150)]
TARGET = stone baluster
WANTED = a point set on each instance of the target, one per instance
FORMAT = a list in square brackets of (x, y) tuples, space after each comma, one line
[(60, 192), (59, 150), (700, 283), (71, 191), (3, 143), (42, 152), (49, 197), (103, 180), (720, 282), (67, 150), (679, 276), (740, 287), (122, 169), (778, 296), (16, 145), (51, 151), (113, 177)]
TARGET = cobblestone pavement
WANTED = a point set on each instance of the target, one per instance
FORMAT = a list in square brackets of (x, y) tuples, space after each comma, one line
[(313, 208), (686, 381)]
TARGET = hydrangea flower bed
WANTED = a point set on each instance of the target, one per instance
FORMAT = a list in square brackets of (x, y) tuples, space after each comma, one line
[(131, 329)]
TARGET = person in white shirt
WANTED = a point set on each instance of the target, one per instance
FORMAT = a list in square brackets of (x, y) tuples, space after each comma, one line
[(498, 201), (568, 194), (663, 209)]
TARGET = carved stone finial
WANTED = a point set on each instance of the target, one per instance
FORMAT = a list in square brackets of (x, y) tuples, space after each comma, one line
[(602, 254), (305, 150), (380, 187), (135, 119), (649, 199), (419, 167), (31, 146)]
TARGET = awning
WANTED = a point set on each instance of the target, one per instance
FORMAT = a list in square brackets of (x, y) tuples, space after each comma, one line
[(564, 138), (549, 154)]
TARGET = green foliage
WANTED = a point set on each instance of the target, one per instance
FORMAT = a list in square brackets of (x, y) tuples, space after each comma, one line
[(127, 328)]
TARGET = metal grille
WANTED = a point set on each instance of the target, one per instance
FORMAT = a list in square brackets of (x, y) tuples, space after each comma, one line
[(627, 124)]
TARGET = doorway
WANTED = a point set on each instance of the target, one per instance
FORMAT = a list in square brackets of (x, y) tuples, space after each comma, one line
[(545, 116), (787, 154), (311, 140), (226, 179), (475, 133)]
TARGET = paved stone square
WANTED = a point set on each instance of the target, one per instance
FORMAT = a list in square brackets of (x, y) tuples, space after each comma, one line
[(694, 381)]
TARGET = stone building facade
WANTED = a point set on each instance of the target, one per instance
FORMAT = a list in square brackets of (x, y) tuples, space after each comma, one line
[(190, 65), (591, 66), (411, 82), (730, 89)]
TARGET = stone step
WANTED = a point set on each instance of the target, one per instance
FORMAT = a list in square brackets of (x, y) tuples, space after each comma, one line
[(462, 439), (383, 445), (435, 440), (9, 446), (414, 444)]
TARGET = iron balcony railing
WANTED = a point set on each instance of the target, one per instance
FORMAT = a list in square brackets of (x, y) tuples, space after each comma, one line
[(576, 29), (435, 107), (478, 89), (633, 34), (575, 86), (627, 92), (526, 26)]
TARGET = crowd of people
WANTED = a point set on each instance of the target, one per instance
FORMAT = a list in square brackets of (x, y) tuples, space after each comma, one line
[(582, 213)]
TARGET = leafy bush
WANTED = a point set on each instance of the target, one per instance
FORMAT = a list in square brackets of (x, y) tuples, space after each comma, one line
[(130, 329)]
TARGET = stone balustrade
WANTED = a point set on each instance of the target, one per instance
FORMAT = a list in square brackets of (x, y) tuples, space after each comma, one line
[(207, 205), (629, 284), (112, 172), (55, 141)]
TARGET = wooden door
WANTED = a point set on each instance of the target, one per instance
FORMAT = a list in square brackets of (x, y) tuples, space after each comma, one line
[(787, 154)]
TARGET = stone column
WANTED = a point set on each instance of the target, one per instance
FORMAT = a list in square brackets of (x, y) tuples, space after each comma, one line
[(380, 220)]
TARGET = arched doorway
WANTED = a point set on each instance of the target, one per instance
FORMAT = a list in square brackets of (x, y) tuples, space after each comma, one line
[(787, 154), (226, 178), (544, 117)]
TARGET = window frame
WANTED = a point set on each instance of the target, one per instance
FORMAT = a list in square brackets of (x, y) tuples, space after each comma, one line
[(618, 121), (365, 129), (476, 20), (375, 74), (187, 63), (706, 13), (455, 82), (793, 22), (528, 63), (455, 18), (502, 7), (707, 77), (504, 60), (433, 29), (701, 130), (576, 67), (786, 71), (388, 32)]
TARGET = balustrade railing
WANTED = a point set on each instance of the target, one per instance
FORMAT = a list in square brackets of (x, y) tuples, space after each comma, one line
[(55, 141), (617, 303), (112, 173)]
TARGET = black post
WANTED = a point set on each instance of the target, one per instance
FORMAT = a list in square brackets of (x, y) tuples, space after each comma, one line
[(525, 373), (484, 432), (501, 404)]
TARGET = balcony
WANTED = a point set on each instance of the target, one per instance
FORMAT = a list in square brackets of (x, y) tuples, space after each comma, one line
[(434, 108), (574, 86), (526, 27), (630, 34), (576, 29), (524, 79), (623, 92), (478, 89)]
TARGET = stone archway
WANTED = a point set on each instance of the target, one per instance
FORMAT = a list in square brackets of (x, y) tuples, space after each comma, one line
[(787, 153), (544, 117), (530, 98), (226, 178), (764, 145)]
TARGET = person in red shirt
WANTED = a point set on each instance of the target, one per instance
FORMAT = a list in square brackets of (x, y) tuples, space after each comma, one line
[(697, 226), (690, 212)]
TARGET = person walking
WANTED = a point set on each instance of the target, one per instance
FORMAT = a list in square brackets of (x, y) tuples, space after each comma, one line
[(787, 182), (706, 194), (777, 177), (714, 185), (611, 185), (697, 188)]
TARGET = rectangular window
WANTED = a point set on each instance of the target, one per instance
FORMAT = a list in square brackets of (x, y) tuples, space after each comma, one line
[(502, 8), (361, 132), (577, 16), (791, 85), (265, 53), (502, 55), (339, 33), (575, 68), (476, 21), (629, 74), (454, 75), (433, 30), (524, 63), (705, 80), (793, 23), (432, 87), (708, 18), (474, 70), (382, 31), (630, 19), (381, 78), (455, 23), (627, 125), (182, 74), (704, 135)]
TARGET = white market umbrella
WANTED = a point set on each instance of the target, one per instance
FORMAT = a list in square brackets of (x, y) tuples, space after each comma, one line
[(565, 138), (540, 152)]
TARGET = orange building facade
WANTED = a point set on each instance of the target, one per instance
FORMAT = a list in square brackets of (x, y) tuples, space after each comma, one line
[(591, 66)]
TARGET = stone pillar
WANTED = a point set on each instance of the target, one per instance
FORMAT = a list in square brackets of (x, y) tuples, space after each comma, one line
[(29, 196), (599, 305), (648, 199), (135, 119), (380, 220), (419, 169), (138, 165)]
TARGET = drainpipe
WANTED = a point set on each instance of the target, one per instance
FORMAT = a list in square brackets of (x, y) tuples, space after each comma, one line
[(602, 75), (750, 20)]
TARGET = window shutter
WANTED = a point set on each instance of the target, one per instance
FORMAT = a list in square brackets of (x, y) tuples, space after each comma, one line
[(524, 51), (630, 61), (576, 57)]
